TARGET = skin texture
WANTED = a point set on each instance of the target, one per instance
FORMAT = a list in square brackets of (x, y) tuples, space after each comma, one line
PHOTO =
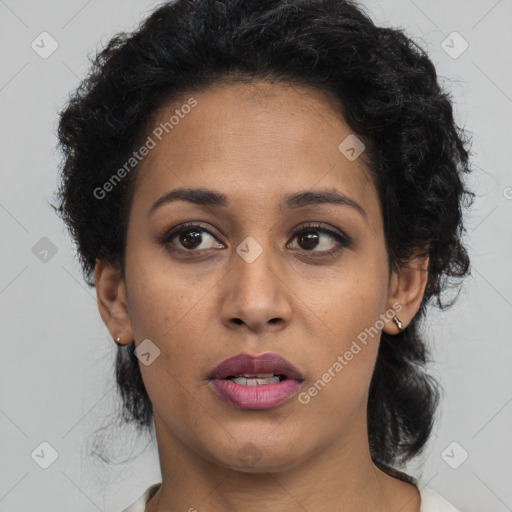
[(255, 144)]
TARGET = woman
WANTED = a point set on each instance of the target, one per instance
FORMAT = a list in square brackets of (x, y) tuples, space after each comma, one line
[(266, 196)]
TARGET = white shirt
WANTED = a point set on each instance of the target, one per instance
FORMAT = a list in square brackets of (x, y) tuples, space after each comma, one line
[(431, 501)]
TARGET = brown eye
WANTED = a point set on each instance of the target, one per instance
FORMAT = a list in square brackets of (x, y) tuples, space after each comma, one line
[(314, 239), (190, 238), (309, 239), (320, 241)]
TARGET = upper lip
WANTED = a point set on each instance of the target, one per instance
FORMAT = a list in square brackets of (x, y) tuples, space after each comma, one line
[(252, 364)]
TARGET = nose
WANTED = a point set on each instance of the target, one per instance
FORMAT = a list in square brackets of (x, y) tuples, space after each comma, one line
[(256, 296)]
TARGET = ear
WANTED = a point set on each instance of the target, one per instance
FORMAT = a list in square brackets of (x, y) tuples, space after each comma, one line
[(112, 303), (406, 291)]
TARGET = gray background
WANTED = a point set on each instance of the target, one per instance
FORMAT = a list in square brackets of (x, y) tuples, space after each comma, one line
[(56, 369)]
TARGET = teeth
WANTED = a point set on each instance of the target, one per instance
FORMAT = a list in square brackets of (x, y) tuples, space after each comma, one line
[(253, 381)]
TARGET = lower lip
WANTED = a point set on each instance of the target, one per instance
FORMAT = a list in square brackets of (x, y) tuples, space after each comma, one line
[(263, 396)]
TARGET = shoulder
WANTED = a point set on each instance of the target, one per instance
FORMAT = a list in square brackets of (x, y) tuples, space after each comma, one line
[(140, 504), (431, 501)]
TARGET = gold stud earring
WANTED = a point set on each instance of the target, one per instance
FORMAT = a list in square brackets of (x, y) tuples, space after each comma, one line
[(398, 323), (118, 342)]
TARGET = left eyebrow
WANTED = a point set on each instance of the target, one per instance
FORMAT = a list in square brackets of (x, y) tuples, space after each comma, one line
[(209, 197), (323, 196)]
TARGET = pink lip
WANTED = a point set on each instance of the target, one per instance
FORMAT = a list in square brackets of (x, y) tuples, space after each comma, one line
[(262, 396)]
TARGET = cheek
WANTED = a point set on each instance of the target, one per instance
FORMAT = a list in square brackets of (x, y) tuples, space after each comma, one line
[(339, 388), (160, 295), (348, 326), (348, 302), (166, 313), (168, 307)]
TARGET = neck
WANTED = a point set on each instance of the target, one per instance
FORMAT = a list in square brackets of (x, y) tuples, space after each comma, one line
[(340, 477)]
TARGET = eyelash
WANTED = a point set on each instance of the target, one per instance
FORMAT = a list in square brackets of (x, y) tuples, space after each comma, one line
[(343, 240)]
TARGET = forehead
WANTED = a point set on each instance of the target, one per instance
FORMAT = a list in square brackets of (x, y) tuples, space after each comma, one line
[(259, 140)]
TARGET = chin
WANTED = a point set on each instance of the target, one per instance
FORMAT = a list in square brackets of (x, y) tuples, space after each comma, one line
[(255, 458)]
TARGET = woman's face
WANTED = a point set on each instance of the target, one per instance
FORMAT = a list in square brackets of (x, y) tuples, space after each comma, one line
[(247, 282)]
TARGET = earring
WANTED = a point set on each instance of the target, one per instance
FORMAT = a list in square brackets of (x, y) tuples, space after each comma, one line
[(398, 323), (118, 342)]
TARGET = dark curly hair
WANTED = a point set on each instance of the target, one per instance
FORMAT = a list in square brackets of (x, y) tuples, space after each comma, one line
[(388, 93)]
